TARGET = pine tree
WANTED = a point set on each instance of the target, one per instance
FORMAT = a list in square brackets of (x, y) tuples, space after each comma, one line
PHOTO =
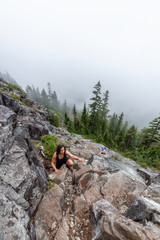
[(68, 123), (95, 109), (45, 99), (76, 121), (29, 91), (105, 109), (151, 134), (122, 136), (54, 101), (49, 94), (74, 112), (119, 123), (38, 95), (113, 125), (49, 90), (118, 133), (64, 107), (85, 120), (131, 138), (154, 132)]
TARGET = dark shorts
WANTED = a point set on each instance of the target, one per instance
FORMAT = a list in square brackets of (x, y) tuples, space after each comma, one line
[(60, 162)]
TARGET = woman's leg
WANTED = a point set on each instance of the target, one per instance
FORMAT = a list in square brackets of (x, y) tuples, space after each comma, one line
[(69, 163)]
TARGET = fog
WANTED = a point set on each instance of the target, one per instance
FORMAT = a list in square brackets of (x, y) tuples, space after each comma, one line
[(74, 44)]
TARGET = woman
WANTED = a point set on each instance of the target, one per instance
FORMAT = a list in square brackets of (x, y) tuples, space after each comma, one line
[(61, 157)]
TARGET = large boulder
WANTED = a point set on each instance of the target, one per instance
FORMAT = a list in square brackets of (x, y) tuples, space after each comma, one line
[(60, 176), (11, 103), (14, 220), (143, 210), (121, 188), (80, 150), (108, 224), (93, 194), (152, 192), (7, 116), (85, 169), (49, 213)]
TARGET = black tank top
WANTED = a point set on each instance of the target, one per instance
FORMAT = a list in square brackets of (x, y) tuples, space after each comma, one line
[(61, 159)]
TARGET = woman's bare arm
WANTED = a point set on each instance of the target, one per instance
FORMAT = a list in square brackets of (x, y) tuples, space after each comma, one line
[(73, 156), (53, 162)]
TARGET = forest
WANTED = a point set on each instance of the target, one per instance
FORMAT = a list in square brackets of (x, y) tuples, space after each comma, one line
[(94, 122)]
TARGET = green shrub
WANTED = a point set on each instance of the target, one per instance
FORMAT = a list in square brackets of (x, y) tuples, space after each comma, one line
[(14, 87), (15, 96), (49, 142), (54, 120), (35, 143), (146, 157), (26, 102), (116, 158), (50, 182)]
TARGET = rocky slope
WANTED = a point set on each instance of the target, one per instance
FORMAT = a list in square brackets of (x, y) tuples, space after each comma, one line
[(107, 197)]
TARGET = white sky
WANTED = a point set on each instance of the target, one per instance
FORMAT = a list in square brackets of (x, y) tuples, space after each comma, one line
[(74, 44)]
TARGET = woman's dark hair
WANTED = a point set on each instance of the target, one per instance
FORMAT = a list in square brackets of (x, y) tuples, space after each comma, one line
[(59, 148)]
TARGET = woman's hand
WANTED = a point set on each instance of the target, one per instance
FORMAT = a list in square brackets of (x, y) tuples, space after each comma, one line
[(80, 160), (57, 170)]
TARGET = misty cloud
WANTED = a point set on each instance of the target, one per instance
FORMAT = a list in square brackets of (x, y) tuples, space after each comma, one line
[(74, 44)]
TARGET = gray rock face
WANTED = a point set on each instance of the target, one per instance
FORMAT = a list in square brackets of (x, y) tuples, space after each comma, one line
[(143, 209), (14, 220), (22, 175), (152, 192), (11, 103), (109, 224), (7, 116)]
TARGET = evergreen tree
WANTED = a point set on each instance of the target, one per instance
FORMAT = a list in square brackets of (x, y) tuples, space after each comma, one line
[(85, 120), (68, 123), (131, 137), (45, 99), (150, 135), (118, 133), (154, 132), (74, 115), (50, 95), (54, 101), (76, 121), (105, 109), (122, 136), (34, 94), (119, 123), (29, 91), (38, 95), (64, 107), (113, 125), (95, 109), (49, 90)]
